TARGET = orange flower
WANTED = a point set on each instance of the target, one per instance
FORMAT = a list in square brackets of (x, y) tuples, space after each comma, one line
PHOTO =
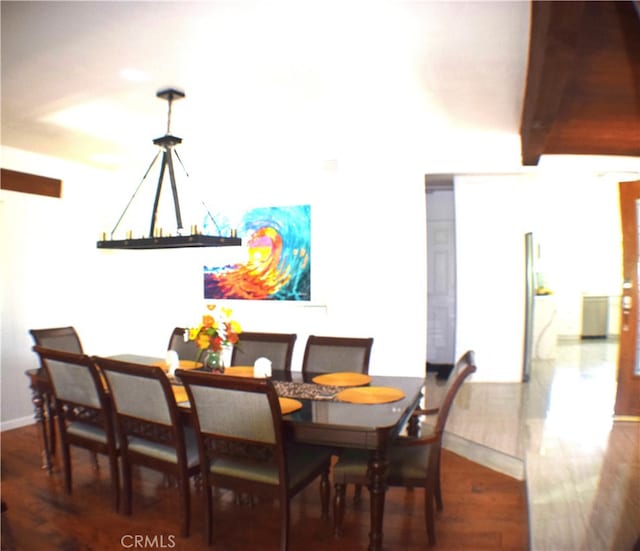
[(208, 321)]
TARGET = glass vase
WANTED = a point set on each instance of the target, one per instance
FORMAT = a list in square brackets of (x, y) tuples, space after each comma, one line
[(212, 361)]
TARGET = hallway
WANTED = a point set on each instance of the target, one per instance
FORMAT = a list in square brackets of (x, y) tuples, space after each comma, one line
[(582, 469)]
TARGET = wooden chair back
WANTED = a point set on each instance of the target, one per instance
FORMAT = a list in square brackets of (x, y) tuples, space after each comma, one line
[(231, 410), (57, 338), (332, 354), (277, 347), (143, 401), (464, 367)]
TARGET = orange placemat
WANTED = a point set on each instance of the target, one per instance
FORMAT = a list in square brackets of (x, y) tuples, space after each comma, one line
[(180, 393), (184, 364), (370, 395), (289, 405), (239, 371), (342, 378)]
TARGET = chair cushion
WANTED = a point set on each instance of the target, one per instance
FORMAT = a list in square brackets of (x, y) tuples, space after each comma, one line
[(245, 469), (301, 461), (164, 452), (405, 463), (84, 430)]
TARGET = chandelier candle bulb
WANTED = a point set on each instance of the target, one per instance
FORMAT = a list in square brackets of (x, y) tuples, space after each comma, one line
[(129, 234)]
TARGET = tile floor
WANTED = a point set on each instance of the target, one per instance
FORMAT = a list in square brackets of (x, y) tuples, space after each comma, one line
[(557, 432)]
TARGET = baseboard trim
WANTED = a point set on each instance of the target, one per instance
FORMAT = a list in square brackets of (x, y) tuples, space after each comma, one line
[(483, 455), (17, 423)]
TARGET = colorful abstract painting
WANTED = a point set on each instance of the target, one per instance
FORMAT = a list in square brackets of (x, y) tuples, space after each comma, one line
[(278, 261)]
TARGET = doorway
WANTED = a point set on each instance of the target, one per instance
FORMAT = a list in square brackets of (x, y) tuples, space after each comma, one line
[(441, 274)]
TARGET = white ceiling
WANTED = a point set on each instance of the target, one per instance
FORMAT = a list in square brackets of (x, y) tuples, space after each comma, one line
[(79, 78)]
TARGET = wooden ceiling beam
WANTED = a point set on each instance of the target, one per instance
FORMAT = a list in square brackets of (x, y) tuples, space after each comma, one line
[(13, 180), (555, 29)]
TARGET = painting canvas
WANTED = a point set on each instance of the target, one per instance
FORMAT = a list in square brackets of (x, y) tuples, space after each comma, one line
[(277, 265)]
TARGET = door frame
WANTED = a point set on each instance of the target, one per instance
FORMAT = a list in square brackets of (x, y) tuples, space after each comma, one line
[(628, 388)]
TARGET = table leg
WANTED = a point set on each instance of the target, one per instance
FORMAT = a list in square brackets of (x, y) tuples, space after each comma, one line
[(39, 405), (378, 466)]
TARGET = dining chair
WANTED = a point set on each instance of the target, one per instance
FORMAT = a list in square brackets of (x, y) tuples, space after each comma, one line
[(325, 354), (277, 347), (150, 429), (186, 349), (243, 446), (413, 460), (58, 338), (332, 354), (83, 409), (55, 338)]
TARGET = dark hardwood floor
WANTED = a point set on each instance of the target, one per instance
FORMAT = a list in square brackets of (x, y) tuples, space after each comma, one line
[(482, 510)]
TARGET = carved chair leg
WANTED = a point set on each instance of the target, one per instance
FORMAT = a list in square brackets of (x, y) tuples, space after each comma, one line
[(325, 494), (338, 509), (208, 511), (429, 520), (198, 486), (96, 465), (50, 412), (126, 489), (437, 489), (185, 495), (39, 406), (115, 481), (66, 462), (284, 524), (357, 494)]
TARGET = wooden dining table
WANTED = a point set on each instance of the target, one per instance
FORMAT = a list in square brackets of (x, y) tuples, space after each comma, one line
[(323, 419)]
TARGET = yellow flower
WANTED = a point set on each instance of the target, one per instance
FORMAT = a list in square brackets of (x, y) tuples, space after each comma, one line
[(203, 341)]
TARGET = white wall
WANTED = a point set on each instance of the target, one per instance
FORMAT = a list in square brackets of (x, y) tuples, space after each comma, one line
[(368, 266), (571, 206), (491, 220)]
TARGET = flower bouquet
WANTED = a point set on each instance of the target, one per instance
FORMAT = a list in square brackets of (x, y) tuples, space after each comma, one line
[(217, 332)]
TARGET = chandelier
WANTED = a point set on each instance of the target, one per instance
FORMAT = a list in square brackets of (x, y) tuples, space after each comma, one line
[(155, 238)]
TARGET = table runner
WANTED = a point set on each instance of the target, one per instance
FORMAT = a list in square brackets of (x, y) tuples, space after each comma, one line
[(306, 391), (361, 394), (311, 391)]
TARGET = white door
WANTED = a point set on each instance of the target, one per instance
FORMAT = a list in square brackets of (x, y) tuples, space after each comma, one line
[(441, 285)]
